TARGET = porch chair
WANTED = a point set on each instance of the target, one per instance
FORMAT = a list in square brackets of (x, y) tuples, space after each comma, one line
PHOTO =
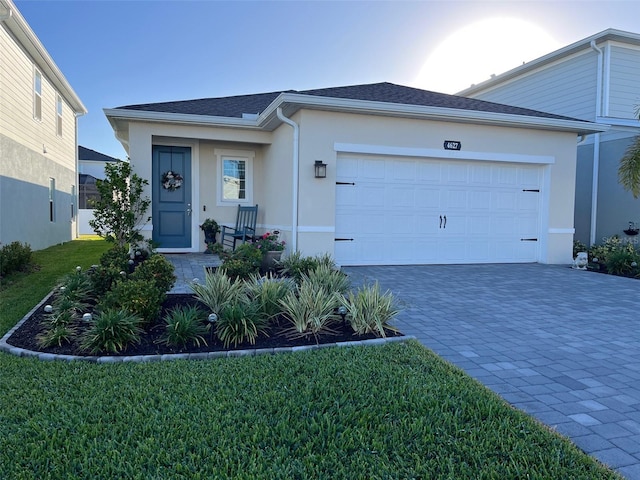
[(245, 228)]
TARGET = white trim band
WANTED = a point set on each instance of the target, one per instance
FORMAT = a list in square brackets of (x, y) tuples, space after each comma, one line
[(437, 153)]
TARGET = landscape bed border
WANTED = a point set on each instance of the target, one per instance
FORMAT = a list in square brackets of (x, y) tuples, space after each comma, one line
[(23, 352)]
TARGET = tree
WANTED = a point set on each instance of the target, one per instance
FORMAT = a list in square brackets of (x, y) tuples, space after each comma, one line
[(629, 169), (120, 212)]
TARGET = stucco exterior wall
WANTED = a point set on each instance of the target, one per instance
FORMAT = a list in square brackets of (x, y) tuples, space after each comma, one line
[(320, 132)]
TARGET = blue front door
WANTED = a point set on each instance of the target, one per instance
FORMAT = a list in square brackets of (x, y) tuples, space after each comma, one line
[(171, 196)]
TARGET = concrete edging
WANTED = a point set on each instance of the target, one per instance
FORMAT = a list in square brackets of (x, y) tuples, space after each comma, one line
[(48, 357)]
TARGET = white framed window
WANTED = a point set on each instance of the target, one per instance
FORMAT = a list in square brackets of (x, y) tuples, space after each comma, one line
[(58, 115), (235, 176), (37, 95)]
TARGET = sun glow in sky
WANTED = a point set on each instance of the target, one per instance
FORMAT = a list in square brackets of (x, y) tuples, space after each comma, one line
[(475, 52)]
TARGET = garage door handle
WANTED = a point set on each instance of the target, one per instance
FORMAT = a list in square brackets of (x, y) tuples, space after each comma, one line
[(445, 222), (343, 239), (440, 221), (528, 239)]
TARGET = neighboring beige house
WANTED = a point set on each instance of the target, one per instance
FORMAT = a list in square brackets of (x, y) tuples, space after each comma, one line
[(596, 79), (412, 177), (91, 166), (38, 139)]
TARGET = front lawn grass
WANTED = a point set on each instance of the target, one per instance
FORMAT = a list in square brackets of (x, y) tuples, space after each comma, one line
[(21, 291), (390, 412), (396, 411)]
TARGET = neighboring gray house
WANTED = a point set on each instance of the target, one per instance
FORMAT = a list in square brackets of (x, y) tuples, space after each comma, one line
[(38, 141), (596, 79), (90, 169)]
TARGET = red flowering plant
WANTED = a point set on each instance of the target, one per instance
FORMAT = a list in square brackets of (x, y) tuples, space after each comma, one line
[(269, 242)]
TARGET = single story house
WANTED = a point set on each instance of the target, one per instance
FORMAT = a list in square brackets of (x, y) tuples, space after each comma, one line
[(90, 169), (594, 79), (406, 176), (38, 139)]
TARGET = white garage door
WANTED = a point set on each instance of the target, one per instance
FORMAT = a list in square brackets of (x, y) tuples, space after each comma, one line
[(402, 211)]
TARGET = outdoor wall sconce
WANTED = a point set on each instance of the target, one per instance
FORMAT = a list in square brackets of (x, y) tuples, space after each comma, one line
[(320, 169)]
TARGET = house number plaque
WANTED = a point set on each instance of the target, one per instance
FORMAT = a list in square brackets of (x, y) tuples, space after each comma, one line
[(452, 145)]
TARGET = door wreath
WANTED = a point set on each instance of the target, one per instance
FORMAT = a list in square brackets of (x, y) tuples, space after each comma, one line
[(171, 181)]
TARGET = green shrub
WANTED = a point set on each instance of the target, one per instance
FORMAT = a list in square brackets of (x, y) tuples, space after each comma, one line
[(103, 278), (267, 292), (158, 270), (240, 322), (239, 268), (218, 291), (326, 277), (295, 265), (369, 311), (184, 325), (139, 297), (112, 331), (623, 262), (244, 261), (116, 257), (610, 245), (14, 257), (310, 310)]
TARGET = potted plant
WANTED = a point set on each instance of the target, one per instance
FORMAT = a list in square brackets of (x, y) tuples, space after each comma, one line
[(210, 228), (271, 248)]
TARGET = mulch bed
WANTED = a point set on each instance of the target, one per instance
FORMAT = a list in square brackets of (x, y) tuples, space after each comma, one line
[(25, 336)]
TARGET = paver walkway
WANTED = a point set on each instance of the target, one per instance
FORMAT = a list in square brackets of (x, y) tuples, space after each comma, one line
[(190, 267), (560, 344)]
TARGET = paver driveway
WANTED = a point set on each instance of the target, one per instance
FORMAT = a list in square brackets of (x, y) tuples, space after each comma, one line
[(560, 344)]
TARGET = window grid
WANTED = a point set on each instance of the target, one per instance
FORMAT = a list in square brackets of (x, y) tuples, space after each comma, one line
[(59, 115), (52, 190), (37, 96)]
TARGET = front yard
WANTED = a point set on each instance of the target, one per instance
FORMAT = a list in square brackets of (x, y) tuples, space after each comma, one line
[(395, 411)]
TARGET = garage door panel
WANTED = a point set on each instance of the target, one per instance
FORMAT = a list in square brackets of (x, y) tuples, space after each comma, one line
[(480, 200), (402, 170), (455, 199), (429, 172), (428, 199), (372, 170), (373, 196), (505, 201), (401, 197), (399, 225), (457, 173), (393, 210)]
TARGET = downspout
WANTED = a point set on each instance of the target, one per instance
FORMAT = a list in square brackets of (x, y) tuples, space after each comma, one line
[(596, 149), (295, 170)]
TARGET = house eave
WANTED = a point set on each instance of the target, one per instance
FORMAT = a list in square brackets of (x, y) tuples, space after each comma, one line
[(180, 118), (20, 29), (292, 102), (576, 47)]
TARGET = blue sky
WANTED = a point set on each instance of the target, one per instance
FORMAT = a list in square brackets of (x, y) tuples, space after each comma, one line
[(117, 53)]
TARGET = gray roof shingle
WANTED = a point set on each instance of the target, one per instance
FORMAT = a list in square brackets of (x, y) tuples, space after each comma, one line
[(376, 92), (88, 154)]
